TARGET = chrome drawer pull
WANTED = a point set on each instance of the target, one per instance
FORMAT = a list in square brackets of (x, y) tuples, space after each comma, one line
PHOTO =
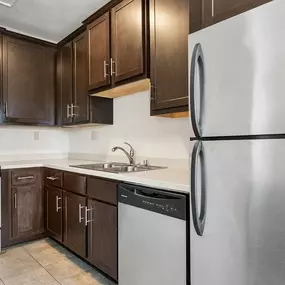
[(25, 177), (52, 178)]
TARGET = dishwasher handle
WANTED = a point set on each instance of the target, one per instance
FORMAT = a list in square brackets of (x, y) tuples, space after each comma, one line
[(163, 202)]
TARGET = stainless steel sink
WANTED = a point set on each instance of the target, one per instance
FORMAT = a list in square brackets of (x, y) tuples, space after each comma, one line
[(116, 167)]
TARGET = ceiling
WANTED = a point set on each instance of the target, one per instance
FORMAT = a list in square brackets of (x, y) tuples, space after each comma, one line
[(51, 20)]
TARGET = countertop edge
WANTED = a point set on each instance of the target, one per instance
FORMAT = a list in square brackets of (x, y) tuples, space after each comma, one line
[(132, 178)]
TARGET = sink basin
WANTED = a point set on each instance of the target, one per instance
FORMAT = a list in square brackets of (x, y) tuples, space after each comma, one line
[(116, 167)]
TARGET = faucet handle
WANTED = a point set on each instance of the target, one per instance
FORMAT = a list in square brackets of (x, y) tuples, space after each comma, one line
[(132, 151)]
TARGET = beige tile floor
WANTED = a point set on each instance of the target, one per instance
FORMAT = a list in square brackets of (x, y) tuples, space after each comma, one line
[(45, 262)]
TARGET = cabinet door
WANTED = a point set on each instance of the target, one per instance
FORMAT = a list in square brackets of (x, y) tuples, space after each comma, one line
[(74, 223), (102, 237), (1, 82), (65, 83), (27, 211), (169, 53), (128, 24), (28, 82), (81, 97), (99, 52), (214, 11), (54, 212)]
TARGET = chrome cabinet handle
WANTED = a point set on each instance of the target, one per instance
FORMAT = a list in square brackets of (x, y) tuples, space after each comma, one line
[(105, 69), (52, 178), (199, 217), (25, 177), (15, 200), (86, 216), (80, 207), (112, 71), (68, 113), (213, 8), (71, 110), (197, 60), (74, 114), (57, 206)]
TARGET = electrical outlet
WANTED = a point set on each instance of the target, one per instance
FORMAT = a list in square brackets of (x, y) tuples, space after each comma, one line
[(36, 136), (93, 135)]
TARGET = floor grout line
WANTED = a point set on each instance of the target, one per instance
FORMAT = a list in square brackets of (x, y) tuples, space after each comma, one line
[(42, 267)]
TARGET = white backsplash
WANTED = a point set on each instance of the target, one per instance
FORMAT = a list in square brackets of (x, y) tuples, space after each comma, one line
[(23, 143), (151, 137)]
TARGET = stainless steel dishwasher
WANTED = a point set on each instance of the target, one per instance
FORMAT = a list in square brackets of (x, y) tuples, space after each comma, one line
[(152, 237)]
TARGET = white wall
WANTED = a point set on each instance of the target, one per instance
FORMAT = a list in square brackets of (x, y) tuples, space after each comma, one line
[(20, 141), (151, 137)]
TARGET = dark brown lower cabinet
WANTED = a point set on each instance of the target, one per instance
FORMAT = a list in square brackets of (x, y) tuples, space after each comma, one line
[(102, 237), (82, 215), (22, 205), (74, 223), (27, 211), (54, 212)]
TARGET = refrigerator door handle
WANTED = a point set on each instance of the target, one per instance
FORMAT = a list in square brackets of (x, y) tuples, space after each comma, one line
[(197, 61), (199, 217)]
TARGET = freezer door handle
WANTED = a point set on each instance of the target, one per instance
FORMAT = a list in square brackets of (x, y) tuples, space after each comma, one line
[(197, 61), (198, 212)]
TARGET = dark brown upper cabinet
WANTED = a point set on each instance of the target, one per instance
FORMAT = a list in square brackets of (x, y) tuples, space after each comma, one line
[(208, 12), (74, 223), (169, 31), (117, 52), (128, 25), (28, 82), (74, 106), (81, 97), (65, 83), (1, 81), (99, 52)]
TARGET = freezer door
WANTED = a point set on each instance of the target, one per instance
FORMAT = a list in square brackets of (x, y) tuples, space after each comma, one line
[(242, 241), (237, 77)]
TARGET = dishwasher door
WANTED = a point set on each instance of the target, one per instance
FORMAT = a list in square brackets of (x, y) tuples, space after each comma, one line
[(152, 237)]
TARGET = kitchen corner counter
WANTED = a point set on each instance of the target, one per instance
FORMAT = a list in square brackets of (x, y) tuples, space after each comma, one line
[(171, 179)]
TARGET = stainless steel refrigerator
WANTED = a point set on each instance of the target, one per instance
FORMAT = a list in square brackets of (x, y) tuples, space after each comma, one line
[(237, 102)]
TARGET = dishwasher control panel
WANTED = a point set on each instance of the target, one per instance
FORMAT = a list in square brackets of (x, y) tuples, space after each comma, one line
[(159, 201), (163, 207)]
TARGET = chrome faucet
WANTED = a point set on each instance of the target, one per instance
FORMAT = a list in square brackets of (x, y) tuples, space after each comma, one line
[(130, 155)]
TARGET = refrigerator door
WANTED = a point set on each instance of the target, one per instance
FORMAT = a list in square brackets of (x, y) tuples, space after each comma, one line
[(242, 240), (237, 74)]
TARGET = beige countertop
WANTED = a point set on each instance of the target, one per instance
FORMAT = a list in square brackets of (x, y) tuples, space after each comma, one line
[(174, 179)]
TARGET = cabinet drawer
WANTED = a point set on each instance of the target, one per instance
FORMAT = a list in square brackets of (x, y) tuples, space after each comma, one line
[(74, 182), (103, 190), (27, 176), (53, 177)]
